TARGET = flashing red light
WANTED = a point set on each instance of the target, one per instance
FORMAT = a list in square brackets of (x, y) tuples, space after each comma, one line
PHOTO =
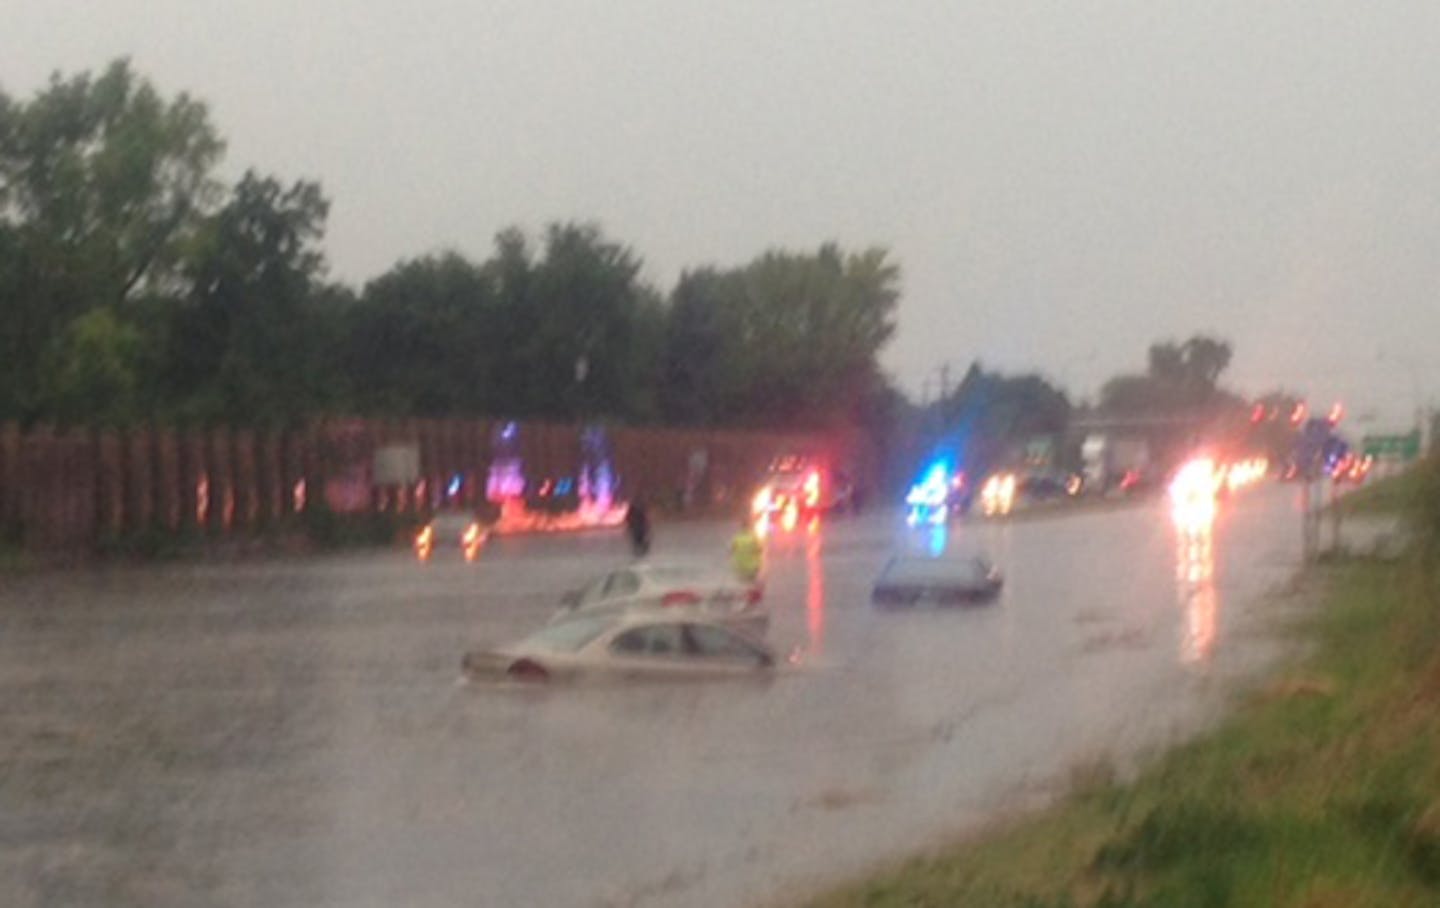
[(1297, 415), (1258, 413), (680, 597), (1337, 413)]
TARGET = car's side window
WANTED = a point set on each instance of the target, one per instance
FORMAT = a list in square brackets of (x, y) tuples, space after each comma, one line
[(667, 640), (718, 643), (651, 640), (632, 642)]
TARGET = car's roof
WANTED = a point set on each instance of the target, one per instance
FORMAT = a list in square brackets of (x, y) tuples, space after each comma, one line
[(616, 620), (664, 569), (579, 632), (928, 569)]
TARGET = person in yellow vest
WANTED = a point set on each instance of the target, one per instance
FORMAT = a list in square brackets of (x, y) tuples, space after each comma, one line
[(747, 554)]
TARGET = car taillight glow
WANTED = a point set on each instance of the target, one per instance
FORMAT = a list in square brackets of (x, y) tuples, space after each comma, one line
[(679, 598), (812, 490), (789, 517), (754, 595), (761, 504), (526, 670)]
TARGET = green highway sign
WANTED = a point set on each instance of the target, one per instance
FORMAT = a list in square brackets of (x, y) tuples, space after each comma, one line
[(1403, 447)]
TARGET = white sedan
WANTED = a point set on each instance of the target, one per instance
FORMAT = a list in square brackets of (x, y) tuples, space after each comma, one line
[(624, 647), (676, 590)]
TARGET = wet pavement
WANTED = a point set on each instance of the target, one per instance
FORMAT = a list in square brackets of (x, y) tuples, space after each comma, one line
[(296, 733)]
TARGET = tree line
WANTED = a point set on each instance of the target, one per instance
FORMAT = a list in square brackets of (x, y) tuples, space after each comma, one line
[(136, 285), (990, 417)]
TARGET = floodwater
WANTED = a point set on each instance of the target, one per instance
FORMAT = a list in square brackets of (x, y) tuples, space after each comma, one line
[(296, 733)]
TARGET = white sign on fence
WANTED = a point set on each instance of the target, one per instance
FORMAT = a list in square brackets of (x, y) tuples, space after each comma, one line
[(396, 465)]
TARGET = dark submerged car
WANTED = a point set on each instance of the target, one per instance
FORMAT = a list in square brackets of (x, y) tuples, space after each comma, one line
[(915, 580)]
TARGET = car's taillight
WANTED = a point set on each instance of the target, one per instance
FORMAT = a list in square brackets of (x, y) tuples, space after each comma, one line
[(754, 595), (526, 670), (812, 490), (680, 597)]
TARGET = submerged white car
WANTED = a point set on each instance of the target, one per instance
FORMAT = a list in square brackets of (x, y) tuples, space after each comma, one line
[(624, 647), (676, 590)]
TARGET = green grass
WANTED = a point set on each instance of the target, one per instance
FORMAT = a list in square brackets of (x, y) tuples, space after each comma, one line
[(13, 559), (1322, 789), (1390, 495)]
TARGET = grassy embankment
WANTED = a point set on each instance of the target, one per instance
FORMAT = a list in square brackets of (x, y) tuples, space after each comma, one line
[(1322, 789), (1387, 496)]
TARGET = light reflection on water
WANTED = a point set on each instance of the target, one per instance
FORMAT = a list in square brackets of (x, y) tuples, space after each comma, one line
[(815, 589), (1195, 582), (939, 538)]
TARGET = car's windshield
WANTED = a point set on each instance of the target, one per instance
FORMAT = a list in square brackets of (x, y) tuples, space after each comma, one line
[(567, 636), (674, 572)]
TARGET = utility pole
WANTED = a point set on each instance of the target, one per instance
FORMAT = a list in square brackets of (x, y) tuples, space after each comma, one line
[(1310, 510)]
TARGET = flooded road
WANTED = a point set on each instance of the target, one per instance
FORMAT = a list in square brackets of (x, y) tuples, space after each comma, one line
[(296, 733)]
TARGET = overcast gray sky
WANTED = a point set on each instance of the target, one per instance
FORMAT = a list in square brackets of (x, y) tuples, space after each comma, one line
[(1062, 182)]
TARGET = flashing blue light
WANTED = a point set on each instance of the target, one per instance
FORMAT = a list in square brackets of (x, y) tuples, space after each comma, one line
[(564, 486), (933, 488), (456, 482), (509, 431), (929, 499)]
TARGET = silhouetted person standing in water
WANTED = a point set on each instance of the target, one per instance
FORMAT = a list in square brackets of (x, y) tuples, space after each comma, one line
[(637, 526)]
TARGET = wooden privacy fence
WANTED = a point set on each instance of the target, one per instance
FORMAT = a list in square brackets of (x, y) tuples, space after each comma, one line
[(68, 490)]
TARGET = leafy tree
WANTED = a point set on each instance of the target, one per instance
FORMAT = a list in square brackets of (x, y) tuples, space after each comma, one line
[(92, 372), (101, 180), (789, 338), (133, 284), (990, 415), (585, 352), (703, 379), (249, 343), (1181, 378), (424, 340), (572, 333)]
